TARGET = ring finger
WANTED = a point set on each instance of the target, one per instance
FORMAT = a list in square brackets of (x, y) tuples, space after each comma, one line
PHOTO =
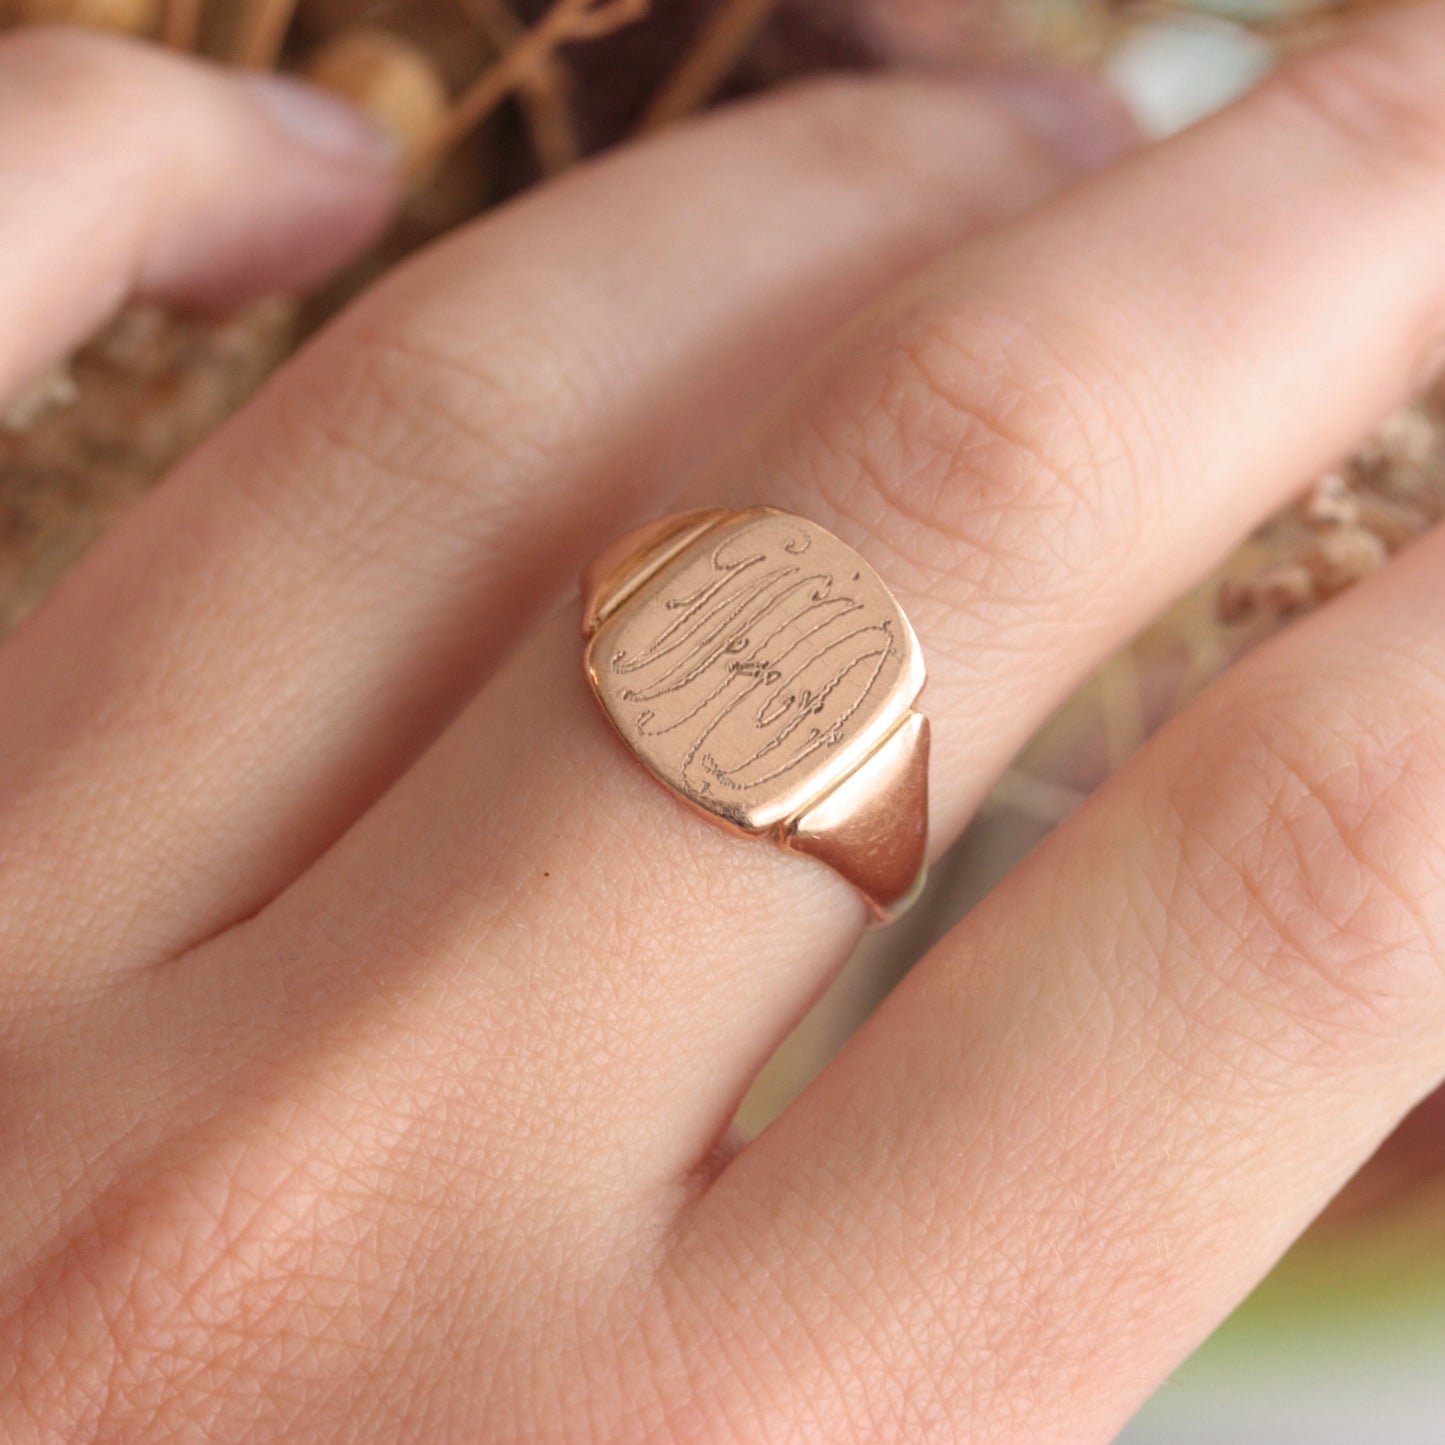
[(1037, 444)]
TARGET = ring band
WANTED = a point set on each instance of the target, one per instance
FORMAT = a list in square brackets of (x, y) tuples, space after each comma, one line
[(758, 667)]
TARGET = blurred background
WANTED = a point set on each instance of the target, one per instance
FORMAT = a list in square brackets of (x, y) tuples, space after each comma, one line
[(1345, 1343)]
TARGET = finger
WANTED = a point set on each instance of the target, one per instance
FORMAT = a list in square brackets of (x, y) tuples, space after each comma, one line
[(1093, 1117), (1036, 445), (307, 599), (128, 171)]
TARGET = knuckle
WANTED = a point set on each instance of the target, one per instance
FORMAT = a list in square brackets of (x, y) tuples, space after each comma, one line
[(1315, 837), (878, 135), (976, 450), (1368, 94), (178, 1284), (398, 421), (467, 395), (841, 124), (190, 1285)]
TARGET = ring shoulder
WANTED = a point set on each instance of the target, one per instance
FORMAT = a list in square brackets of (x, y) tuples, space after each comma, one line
[(872, 826), (618, 571)]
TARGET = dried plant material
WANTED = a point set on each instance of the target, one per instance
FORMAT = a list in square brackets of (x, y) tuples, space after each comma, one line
[(181, 26), (53, 390), (1332, 502), (566, 20), (1077, 32), (1289, 587), (264, 26), (1406, 446), (1349, 524), (545, 95), (724, 41), (131, 17), (1396, 520), (1281, 589), (948, 34), (392, 80), (1342, 557), (146, 391), (442, 28)]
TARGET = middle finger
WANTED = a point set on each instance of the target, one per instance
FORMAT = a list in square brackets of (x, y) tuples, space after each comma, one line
[(236, 672)]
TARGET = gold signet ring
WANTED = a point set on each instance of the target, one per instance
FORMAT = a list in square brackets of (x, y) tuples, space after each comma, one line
[(758, 667)]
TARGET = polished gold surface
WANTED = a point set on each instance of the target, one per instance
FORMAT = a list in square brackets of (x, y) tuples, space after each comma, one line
[(760, 668), (873, 827), (620, 569)]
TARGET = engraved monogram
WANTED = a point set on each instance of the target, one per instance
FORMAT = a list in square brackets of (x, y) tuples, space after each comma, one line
[(752, 668)]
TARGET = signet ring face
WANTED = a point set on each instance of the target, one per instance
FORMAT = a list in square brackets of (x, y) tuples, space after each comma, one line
[(760, 669)]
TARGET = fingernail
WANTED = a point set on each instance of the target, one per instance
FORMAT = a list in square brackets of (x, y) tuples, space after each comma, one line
[(321, 122), (1076, 117)]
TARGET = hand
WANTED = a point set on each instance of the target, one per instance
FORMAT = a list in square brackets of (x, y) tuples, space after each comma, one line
[(370, 1023)]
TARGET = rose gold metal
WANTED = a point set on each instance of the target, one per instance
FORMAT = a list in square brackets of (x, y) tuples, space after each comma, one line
[(760, 669), (873, 827), (620, 569)]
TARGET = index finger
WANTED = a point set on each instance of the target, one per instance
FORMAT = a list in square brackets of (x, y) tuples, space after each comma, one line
[(130, 171)]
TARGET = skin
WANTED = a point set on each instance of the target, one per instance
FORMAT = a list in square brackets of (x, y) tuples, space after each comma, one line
[(370, 1025)]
